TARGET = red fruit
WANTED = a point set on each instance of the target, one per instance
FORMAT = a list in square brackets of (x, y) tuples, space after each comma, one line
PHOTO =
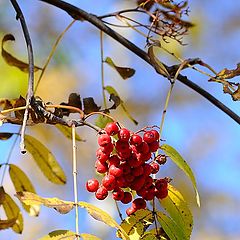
[(101, 156), (147, 169), (143, 148), (161, 193), (121, 182), (139, 203), (156, 134), (148, 181), (124, 135), (161, 184), (150, 193), (129, 177), (137, 183), (118, 194), (107, 149), (113, 160), (111, 128), (134, 162), (124, 155), (130, 211), (101, 167), (104, 139), (109, 182), (115, 171), (125, 168), (101, 193), (92, 185), (161, 159), (137, 171), (122, 146), (154, 167), (142, 192), (148, 137), (136, 139), (153, 147), (127, 198)]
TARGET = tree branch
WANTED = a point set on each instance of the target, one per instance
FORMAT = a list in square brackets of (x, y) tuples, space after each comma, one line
[(80, 14)]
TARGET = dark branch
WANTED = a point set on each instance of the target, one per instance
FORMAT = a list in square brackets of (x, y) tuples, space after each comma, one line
[(80, 14)]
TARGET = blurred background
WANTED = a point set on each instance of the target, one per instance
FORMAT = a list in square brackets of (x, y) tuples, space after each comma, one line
[(206, 137)]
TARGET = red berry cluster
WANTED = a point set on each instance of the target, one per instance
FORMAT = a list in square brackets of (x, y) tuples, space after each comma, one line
[(125, 164)]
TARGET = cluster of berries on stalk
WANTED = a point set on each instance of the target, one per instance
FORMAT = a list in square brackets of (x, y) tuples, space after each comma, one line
[(126, 162)]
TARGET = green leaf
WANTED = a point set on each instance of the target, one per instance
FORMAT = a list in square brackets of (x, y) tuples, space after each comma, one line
[(102, 121), (111, 90), (173, 231), (104, 217), (182, 164), (11, 60), (59, 205), (45, 160), (177, 208), (22, 183), (5, 136), (67, 131), (87, 236), (5, 224), (136, 224), (12, 211), (124, 72), (60, 235), (152, 235)]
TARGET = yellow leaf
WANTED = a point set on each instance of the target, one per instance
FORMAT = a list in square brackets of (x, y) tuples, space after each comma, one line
[(124, 72), (5, 224), (86, 236), (60, 235), (11, 60), (177, 208), (59, 205), (45, 160), (67, 131), (22, 183), (104, 217), (12, 211)]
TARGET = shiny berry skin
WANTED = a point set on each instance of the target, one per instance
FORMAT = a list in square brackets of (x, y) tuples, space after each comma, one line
[(154, 146), (124, 135), (111, 128), (101, 167), (136, 139), (137, 183), (115, 171), (101, 156), (137, 171), (113, 160), (92, 185), (161, 193), (148, 137), (161, 159), (161, 184), (118, 194), (156, 134), (104, 139), (155, 167), (139, 203), (130, 211), (127, 198), (101, 193), (107, 149), (148, 182), (147, 169), (109, 182)]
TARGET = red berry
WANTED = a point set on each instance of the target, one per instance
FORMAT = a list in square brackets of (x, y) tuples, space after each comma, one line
[(161, 193), (137, 171), (104, 139), (101, 167), (121, 182), (113, 160), (156, 134), (124, 135), (153, 147), (122, 146), (155, 167), (137, 183), (107, 149), (115, 171), (92, 185), (147, 169), (118, 194), (148, 137), (101, 193), (161, 159), (127, 198), (111, 128), (134, 162), (148, 182), (125, 168), (101, 156), (143, 148), (161, 184), (139, 203), (136, 139), (130, 211), (109, 182), (129, 177)]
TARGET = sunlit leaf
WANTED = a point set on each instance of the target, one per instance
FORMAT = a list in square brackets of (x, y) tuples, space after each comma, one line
[(227, 74), (102, 121), (67, 131), (87, 236), (124, 72), (45, 160), (11, 60), (178, 210), (153, 235), (5, 224), (135, 225), (12, 211), (59, 205), (22, 183), (112, 91), (102, 216), (60, 235), (173, 231), (5, 136), (182, 164)]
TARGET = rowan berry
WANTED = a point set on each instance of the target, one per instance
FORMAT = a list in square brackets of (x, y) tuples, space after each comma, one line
[(92, 185), (127, 198), (139, 203), (109, 182), (101, 193), (104, 139), (111, 128), (124, 135)]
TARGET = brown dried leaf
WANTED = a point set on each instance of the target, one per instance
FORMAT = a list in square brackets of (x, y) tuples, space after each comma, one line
[(90, 106), (11, 60), (5, 136), (227, 74), (5, 224)]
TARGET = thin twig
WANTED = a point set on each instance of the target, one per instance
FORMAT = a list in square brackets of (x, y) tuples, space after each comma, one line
[(75, 186), (30, 91), (118, 210), (78, 14)]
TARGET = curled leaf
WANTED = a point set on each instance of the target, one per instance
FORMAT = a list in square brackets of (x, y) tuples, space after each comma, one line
[(45, 160), (124, 72), (227, 74), (11, 60), (59, 205), (21, 183)]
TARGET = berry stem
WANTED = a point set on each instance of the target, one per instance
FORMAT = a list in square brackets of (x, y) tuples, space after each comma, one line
[(74, 148), (119, 212)]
